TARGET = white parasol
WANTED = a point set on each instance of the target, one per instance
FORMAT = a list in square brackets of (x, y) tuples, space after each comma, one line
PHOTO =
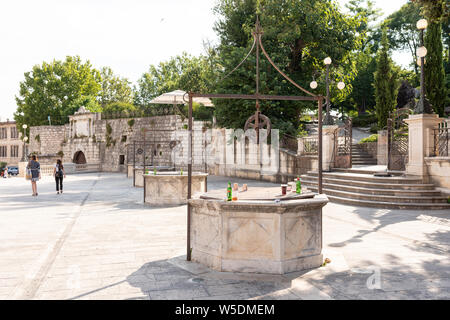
[(179, 97)]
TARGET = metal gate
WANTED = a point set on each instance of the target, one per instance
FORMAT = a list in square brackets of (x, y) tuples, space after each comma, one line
[(398, 139), (343, 145)]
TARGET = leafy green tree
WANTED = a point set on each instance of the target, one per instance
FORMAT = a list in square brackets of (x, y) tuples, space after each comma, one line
[(298, 35), (89, 102), (52, 88), (183, 72), (114, 88), (402, 31), (385, 83), (368, 13), (363, 93), (120, 107), (434, 67)]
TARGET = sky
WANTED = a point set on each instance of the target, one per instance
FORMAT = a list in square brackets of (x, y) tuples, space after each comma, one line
[(126, 35)]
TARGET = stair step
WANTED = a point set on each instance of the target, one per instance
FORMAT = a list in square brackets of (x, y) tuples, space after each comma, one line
[(381, 198), (389, 205), (367, 178), (370, 184), (367, 171), (375, 191), (363, 159), (362, 163)]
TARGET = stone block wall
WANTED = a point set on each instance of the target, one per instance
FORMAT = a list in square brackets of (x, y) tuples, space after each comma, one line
[(242, 160), (439, 171), (47, 142), (88, 133)]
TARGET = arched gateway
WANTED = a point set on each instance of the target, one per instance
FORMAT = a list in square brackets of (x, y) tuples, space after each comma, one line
[(79, 158)]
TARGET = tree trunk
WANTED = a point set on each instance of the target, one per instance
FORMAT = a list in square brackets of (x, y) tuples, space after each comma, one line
[(296, 58)]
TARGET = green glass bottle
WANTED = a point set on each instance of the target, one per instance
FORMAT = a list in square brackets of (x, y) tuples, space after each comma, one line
[(181, 172), (146, 171), (154, 172), (298, 186), (229, 192)]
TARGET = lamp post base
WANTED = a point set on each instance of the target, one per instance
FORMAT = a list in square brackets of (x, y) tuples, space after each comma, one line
[(328, 120), (423, 106)]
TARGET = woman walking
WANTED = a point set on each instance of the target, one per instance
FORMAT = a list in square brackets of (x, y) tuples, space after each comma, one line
[(59, 173), (35, 171)]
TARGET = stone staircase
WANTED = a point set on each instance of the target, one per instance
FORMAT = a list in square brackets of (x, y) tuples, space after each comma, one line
[(361, 188), (361, 156)]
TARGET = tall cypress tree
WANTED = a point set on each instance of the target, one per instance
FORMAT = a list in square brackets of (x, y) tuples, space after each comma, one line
[(385, 83), (434, 67)]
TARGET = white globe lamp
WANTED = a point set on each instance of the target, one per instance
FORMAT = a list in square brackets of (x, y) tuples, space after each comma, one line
[(422, 24), (421, 52)]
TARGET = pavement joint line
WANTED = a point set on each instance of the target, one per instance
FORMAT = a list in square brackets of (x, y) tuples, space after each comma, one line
[(41, 267), (97, 290), (416, 242)]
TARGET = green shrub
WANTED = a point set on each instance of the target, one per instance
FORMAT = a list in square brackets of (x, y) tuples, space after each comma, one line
[(371, 138), (364, 120), (306, 118), (301, 131), (374, 128)]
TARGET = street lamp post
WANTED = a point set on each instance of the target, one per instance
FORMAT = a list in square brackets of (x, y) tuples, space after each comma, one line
[(25, 139), (328, 120), (423, 106)]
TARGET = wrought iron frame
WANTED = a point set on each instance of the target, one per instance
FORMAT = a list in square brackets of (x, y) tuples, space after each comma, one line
[(397, 156), (441, 140), (343, 153), (257, 35), (144, 144)]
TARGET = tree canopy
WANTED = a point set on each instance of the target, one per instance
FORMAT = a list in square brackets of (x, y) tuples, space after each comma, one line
[(52, 88), (114, 88), (385, 83), (298, 35), (183, 72)]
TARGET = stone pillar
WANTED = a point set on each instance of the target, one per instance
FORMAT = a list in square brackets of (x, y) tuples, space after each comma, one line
[(421, 141), (382, 148), (328, 147), (301, 146), (22, 167)]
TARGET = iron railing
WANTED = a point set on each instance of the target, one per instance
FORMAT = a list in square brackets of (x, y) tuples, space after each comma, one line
[(441, 140), (153, 111), (311, 145), (289, 142)]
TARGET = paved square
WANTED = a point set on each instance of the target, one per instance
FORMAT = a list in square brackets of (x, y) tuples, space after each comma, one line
[(99, 241)]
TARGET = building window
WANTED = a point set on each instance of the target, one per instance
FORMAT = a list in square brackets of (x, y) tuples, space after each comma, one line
[(122, 159), (14, 133), (14, 151), (3, 133), (3, 151)]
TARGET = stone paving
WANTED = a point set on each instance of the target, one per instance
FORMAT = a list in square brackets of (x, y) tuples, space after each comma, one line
[(99, 241)]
